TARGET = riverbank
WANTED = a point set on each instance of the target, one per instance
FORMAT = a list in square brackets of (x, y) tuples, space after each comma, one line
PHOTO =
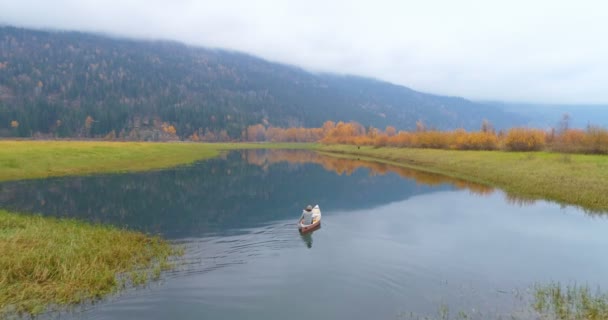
[(42, 159), (47, 261), (569, 179)]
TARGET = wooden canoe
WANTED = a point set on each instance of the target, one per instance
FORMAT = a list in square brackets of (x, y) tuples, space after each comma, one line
[(316, 221)]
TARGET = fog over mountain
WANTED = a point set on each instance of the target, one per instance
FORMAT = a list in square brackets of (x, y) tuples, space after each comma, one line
[(541, 51), (69, 84)]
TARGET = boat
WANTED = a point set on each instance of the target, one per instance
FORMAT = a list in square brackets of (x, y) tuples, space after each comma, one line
[(316, 221)]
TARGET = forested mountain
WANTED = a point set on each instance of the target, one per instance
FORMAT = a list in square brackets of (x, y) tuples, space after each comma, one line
[(69, 84)]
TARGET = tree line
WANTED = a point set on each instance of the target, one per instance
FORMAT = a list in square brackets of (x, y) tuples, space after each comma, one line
[(593, 139)]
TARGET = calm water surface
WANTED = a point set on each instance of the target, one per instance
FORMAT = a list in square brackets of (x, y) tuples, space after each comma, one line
[(393, 241)]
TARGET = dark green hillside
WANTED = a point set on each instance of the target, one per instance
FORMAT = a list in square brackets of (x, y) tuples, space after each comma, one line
[(50, 82)]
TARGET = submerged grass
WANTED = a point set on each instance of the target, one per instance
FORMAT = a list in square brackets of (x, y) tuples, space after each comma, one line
[(47, 261), (555, 301), (41, 159), (576, 179), (552, 301)]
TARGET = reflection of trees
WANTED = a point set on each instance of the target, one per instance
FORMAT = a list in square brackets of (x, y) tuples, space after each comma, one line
[(207, 197), (342, 166)]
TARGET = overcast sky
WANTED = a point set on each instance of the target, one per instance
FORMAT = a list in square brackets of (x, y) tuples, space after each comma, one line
[(552, 51)]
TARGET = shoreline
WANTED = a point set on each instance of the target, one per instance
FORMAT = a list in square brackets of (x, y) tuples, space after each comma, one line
[(51, 263), (564, 178), (568, 179)]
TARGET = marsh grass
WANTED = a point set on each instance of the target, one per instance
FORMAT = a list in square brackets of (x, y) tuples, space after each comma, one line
[(579, 179), (41, 159), (47, 261), (555, 301)]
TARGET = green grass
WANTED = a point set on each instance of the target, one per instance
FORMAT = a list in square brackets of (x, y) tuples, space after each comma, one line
[(47, 261), (52, 262), (41, 159), (569, 179)]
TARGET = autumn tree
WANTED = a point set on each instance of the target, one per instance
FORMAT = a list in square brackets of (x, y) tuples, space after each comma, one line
[(256, 133), (194, 137), (170, 129), (328, 126)]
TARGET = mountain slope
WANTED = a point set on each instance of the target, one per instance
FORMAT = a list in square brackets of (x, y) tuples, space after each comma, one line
[(50, 82)]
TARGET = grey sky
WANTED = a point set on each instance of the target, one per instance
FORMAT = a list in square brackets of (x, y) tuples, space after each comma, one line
[(552, 51)]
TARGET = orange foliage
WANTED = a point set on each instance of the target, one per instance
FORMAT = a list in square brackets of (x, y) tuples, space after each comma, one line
[(594, 140), (256, 133), (264, 158), (524, 139), (195, 137), (570, 140), (169, 129)]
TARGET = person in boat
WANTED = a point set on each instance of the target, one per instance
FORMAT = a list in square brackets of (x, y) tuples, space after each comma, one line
[(306, 217)]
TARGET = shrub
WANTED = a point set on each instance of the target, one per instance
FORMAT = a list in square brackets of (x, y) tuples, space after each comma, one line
[(524, 139), (596, 140)]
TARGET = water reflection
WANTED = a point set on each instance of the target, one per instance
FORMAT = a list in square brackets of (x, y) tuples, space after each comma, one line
[(399, 240), (243, 189), (215, 196), (348, 166), (344, 166), (307, 237)]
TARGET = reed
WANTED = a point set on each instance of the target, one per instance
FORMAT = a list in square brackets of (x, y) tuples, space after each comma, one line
[(47, 261)]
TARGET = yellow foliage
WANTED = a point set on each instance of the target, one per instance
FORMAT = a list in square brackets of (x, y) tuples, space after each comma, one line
[(170, 129), (524, 139), (594, 140), (195, 137)]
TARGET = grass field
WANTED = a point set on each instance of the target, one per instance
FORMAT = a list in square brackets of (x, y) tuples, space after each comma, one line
[(51, 261), (570, 179), (40, 159)]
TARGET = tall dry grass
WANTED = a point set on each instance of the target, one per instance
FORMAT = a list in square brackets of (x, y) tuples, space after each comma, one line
[(47, 261)]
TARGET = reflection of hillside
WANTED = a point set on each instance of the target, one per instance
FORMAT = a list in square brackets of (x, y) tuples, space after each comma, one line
[(342, 166), (211, 196)]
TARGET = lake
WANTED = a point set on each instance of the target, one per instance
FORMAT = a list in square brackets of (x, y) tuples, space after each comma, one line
[(394, 243)]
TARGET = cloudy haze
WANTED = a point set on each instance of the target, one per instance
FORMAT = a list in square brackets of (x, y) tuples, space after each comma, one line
[(538, 51)]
